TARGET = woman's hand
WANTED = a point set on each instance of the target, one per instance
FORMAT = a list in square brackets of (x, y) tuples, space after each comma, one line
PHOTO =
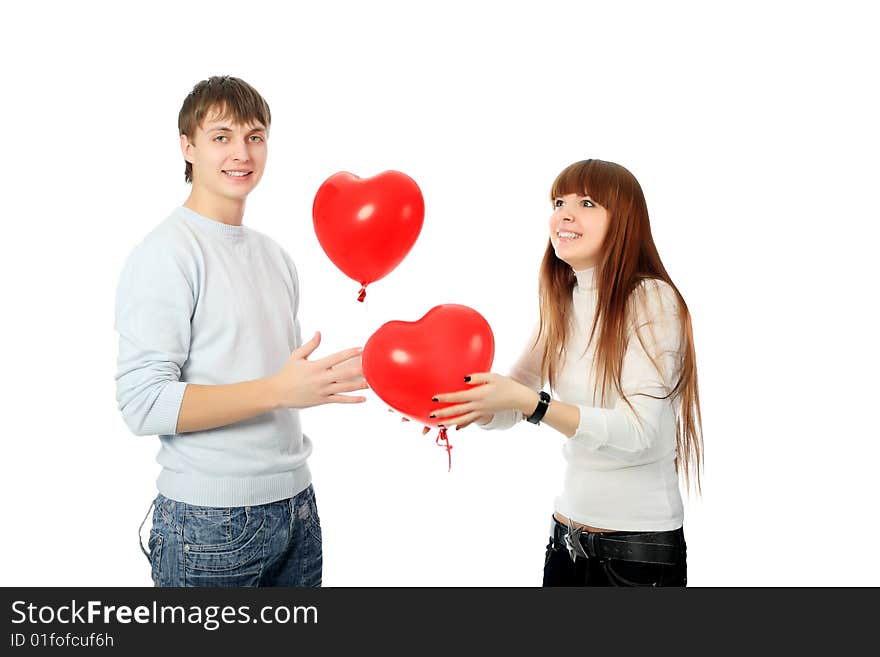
[(488, 394)]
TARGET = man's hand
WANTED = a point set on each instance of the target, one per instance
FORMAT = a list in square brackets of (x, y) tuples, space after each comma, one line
[(303, 383)]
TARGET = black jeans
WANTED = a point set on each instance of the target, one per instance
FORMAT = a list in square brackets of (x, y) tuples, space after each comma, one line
[(560, 570)]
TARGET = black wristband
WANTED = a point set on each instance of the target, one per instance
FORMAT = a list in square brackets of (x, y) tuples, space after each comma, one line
[(543, 404)]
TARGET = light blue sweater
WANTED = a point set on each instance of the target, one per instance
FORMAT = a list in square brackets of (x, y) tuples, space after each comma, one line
[(203, 302)]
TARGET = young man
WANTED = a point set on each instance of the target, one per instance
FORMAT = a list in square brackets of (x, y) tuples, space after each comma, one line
[(211, 360)]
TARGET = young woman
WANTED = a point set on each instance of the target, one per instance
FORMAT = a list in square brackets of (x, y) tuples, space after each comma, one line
[(614, 341)]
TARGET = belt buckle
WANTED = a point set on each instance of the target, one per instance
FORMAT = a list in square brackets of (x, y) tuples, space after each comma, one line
[(573, 544)]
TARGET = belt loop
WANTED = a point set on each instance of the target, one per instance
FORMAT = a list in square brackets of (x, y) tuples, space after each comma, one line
[(591, 544), (141, 529)]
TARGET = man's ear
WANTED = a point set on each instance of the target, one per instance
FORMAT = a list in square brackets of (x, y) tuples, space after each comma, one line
[(186, 147)]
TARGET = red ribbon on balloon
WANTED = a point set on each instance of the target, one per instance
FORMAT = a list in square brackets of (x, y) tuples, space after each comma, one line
[(407, 363), (366, 226)]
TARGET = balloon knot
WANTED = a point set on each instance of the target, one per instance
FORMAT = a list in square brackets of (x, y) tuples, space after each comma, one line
[(363, 294), (442, 436)]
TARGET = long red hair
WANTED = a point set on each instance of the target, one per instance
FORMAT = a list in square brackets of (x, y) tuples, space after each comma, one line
[(628, 257)]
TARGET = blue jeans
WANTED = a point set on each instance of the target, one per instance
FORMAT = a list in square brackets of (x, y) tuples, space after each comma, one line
[(276, 544)]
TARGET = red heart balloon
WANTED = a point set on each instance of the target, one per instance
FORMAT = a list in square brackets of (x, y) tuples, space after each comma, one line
[(366, 226), (407, 363)]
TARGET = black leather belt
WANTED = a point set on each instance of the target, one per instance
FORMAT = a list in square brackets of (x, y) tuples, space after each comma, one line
[(645, 547)]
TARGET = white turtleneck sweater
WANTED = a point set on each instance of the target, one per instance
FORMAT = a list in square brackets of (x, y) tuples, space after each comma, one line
[(619, 465)]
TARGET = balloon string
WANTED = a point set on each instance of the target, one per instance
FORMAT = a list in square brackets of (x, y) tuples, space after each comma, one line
[(445, 438), (363, 294)]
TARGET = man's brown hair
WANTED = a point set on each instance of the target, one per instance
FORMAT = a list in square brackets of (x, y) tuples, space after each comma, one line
[(232, 98)]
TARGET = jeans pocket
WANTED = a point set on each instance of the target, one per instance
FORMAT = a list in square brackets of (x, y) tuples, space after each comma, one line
[(154, 545), (633, 573), (222, 539), (306, 512)]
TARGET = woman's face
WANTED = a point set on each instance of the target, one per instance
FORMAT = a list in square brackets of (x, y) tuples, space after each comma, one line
[(577, 229)]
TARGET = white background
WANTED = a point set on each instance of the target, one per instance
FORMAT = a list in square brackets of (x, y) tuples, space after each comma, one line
[(752, 130)]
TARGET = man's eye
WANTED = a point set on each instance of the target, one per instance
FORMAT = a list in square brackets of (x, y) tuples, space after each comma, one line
[(256, 138), (220, 137)]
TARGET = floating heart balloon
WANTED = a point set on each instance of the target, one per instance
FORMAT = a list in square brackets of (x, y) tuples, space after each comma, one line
[(366, 226), (407, 363)]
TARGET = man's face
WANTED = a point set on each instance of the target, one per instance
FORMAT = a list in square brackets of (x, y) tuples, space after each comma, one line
[(227, 158)]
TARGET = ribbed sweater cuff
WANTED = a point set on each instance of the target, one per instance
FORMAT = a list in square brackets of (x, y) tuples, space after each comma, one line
[(166, 409)]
